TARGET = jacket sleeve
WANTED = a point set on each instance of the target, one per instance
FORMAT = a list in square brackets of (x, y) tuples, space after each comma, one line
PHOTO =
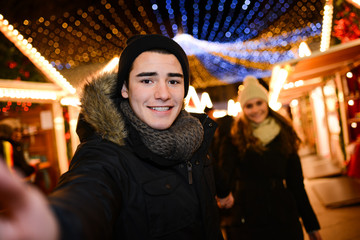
[(295, 183), (87, 199)]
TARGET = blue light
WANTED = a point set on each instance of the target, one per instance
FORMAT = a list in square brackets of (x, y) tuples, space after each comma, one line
[(159, 18), (183, 16), (196, 18)]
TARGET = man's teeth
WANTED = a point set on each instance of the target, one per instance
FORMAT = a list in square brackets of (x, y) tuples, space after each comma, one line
[(160, 108)]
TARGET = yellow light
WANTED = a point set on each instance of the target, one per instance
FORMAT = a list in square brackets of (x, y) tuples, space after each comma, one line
[(27, 94), (111, 66), (276, 106), (234, 108), (349, 75), (70, 101), (304, 50), (327, 26), (192, 95), (205, 100), (353, 125), (278, 78), (294, 103), (219, 113), (299, 83), (27, 49)]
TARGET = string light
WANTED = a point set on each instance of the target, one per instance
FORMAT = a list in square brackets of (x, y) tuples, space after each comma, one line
[(327, 26), (253, 35), (159, 19), (38, 60), (183, 13)]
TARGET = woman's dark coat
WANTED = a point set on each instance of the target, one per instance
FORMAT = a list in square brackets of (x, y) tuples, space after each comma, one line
[(269, 193), (116, 188)]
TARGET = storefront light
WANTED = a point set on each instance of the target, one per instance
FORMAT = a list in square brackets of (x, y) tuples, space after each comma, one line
[(294, 103), (27, 94), (351, 102), (353, 125), (233, 108), (299, 83), (304, 50), (349, 75), (329, 90)]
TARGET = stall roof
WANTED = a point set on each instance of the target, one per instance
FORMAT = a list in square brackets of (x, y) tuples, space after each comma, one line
[(339, 58)]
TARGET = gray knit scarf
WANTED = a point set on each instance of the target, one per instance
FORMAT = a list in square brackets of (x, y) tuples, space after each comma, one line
[(179, 141)]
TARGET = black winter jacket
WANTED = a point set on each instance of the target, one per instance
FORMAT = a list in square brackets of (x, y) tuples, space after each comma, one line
[(116, 188), (269, 193)]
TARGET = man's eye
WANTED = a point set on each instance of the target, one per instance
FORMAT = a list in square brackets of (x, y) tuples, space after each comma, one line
[(174, 81), (146, 81), (248, 106)]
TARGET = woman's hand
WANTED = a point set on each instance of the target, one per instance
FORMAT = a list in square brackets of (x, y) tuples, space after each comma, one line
[(315, 235), (24, 211), (226, 202)]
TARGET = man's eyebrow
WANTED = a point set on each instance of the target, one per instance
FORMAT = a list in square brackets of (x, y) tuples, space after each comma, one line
[(149, 74), (175, 75), (146, 74)]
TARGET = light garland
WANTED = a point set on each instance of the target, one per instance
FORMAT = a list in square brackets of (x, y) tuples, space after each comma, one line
[(28, 94), (327, 26), (253, 35), (39, 61)]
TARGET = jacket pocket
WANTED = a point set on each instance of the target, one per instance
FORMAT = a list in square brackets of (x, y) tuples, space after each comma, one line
[(170, 205)]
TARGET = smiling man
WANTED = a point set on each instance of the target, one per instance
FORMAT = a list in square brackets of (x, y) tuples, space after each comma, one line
[(141, 170)]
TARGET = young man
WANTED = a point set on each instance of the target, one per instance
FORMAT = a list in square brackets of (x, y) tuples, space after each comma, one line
[(141, 170)]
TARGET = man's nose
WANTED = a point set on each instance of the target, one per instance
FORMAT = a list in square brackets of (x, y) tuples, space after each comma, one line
[(162, 91)]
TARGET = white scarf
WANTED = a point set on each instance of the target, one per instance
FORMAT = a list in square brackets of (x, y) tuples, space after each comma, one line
[(266, 131)]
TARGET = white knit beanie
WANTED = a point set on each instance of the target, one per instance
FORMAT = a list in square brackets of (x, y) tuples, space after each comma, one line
[(252, 89)]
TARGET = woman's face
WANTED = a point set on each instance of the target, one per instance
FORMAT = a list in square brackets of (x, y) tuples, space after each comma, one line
[(256, 110)]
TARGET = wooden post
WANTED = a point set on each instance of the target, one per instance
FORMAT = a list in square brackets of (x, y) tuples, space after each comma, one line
[(60, 140)]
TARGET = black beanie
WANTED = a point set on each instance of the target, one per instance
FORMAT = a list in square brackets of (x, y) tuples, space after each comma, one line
[(141, 43)]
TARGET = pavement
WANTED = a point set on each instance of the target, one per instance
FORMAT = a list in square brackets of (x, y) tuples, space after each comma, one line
[(335, 198)]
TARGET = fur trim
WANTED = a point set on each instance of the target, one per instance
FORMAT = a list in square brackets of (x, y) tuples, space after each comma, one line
[(99, 109)]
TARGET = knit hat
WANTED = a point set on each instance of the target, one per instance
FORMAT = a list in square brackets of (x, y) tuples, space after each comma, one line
[(252, 89), (141, 43)]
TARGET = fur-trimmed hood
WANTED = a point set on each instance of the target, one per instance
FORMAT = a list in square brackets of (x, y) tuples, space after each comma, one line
[(99, 110)]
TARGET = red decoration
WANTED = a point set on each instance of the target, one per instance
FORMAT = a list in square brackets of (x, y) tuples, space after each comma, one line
[(346, 26), (12, 65)]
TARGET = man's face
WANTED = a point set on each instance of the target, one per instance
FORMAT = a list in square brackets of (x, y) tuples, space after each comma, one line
[(256, 110), (156, 89)]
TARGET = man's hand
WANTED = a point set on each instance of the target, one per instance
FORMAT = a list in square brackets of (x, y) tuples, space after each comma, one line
[(24, 211)]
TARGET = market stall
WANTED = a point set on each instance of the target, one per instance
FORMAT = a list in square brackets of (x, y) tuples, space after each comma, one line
[(326, 87)]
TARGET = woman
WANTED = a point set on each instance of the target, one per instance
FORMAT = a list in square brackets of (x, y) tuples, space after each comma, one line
[(265, 174)]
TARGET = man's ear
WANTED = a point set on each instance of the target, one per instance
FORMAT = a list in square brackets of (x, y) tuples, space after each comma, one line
[(124, 91)]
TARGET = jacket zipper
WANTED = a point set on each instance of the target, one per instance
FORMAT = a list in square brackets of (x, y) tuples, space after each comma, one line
[(189, 168)]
